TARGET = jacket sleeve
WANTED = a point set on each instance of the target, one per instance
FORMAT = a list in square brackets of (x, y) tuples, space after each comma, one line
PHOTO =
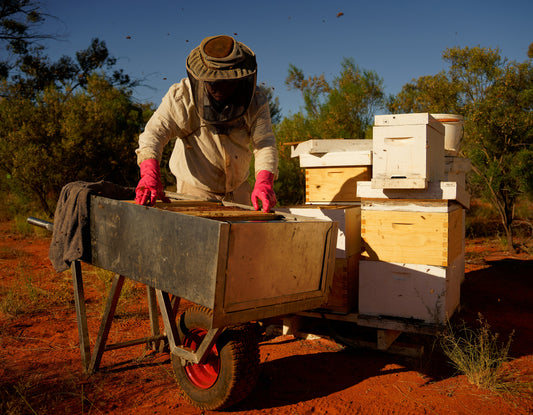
[(163, 125), (263, 139)]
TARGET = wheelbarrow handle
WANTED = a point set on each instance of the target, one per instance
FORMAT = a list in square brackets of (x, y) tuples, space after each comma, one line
[(42, 223)]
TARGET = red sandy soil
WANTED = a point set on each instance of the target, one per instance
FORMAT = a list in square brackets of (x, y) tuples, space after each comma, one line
[(41, 373)]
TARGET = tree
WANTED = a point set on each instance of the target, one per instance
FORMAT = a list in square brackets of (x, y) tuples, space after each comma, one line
[(496, 99), (35, 72), (60, 137), (18, 18), (273, 102), (73, 119), (434, 91), (312, 89), (348, 112), (290, 185), (344, 109), (29, 71), (500, 142)]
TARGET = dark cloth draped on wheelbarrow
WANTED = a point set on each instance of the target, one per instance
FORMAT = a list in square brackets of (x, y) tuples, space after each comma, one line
[(71, 239)]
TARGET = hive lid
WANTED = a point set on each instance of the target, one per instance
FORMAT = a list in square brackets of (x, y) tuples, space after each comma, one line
[(408, 119), (322, 146)]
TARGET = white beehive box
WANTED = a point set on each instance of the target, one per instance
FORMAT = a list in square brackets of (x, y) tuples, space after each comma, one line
[(408, 151), (449, 190), (415, 291), (333, 153)]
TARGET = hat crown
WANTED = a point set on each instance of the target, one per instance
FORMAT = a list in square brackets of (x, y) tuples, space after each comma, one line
[(221, 57), (218, 46)]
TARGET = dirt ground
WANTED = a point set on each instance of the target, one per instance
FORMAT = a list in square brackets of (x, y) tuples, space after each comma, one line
[(41, 373)]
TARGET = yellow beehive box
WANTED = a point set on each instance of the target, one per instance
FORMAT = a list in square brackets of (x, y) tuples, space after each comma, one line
[(335, 185), (343, 293), (333, 167), (413, 232)]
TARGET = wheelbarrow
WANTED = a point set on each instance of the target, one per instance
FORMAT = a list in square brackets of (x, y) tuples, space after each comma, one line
[(239, 267)]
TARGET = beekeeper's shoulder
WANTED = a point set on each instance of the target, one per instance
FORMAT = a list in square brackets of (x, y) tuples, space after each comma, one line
[(179, 92)]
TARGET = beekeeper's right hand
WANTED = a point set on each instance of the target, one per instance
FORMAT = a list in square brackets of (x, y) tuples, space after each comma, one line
[(150, 188), (264, 191)]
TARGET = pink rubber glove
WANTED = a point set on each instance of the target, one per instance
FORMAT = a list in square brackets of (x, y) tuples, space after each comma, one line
[(264, 191), (150, 188)]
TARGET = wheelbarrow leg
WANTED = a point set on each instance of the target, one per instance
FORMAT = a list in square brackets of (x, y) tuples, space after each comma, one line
[(107, 319), (169, 319), (174, 341), (91, 361), (81, 315), (154, 320)]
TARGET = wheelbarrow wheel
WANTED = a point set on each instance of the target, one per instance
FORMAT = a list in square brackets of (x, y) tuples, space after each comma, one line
[(230, 370)]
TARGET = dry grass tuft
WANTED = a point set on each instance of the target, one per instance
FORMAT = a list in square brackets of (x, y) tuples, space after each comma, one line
[(483, 358)]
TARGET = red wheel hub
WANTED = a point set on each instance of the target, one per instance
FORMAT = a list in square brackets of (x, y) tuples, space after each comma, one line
[(202, 375)]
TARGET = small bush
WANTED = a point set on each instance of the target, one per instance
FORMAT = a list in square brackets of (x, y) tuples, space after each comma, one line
[(477, 353), (481, 357)]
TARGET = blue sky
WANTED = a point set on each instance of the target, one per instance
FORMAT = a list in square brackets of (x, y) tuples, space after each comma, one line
[(400, 40)]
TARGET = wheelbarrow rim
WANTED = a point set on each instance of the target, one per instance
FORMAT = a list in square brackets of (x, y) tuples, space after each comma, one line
[(202, 375)]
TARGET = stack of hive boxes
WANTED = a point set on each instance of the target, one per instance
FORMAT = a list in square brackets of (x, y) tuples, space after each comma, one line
[(333, 169), (412, 221)]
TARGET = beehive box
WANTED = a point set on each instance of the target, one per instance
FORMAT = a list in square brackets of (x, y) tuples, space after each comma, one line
[(408, 151), (412, 231), (347, 217), (334, 185), (423, 292), (342, 296), (333, 153), (451, 190), (333, 168)]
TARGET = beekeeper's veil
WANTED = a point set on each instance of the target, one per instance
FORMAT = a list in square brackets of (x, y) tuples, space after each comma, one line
[(223, 74)]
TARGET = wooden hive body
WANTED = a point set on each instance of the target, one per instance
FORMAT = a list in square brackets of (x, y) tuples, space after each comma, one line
[(408, 151)]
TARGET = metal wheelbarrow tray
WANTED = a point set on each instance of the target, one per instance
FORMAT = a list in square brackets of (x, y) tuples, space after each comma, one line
[(237, 265), (243, 265)]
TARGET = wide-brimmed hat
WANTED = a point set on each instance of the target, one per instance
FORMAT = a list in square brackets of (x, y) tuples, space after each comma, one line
[(221, 57)]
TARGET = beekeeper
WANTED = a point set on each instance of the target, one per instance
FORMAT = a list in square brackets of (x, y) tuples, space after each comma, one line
[(218, 117)]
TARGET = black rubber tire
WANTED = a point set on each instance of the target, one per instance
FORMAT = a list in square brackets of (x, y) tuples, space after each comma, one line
[(238, 350)]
